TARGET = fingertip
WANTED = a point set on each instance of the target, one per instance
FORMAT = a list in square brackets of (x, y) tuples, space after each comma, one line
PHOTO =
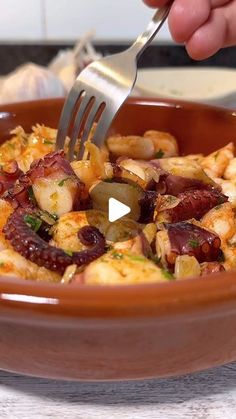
[(208, 39), (186, 16)]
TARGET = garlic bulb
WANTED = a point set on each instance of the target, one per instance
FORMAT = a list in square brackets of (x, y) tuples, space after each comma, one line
[(61, 60), (30, 82), (67, 75), (68, 63)]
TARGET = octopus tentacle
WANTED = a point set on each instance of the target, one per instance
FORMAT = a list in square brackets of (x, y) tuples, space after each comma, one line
[(147, 206), (50, 164), (208, 268), (195, 204), (9, 174), (174, 185), (56, 162), (19, 193), (28, 243), (189, 239)]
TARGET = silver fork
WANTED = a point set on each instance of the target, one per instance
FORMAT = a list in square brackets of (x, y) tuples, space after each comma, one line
[(101, 89)]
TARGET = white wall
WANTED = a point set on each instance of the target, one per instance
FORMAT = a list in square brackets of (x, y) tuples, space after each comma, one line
[(54, 20)]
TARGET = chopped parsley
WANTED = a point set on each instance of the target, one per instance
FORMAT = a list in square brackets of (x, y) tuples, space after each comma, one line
[(167, 274), (11, 145), (33, 222), (48, 142), (159, 154), (31, 195), (68, 252), (137, 258), (62, 182), (117, 255), (194, 243), (54, 216)]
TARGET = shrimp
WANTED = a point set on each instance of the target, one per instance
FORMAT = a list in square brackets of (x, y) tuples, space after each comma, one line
[(12, 264), (5, 211), (230, 171), (42, 141), (221, 220), (12, 149), (25, 148), (65, 231), (132, 146), (84, 170), (153, 144), (165, 145), (229, 189), (195, 157), (122, 268), (212, 176), (139, 244), (123, 234), (229, 252), (218, 161)]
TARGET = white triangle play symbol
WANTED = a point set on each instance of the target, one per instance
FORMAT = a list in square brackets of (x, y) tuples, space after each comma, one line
[(116, 210)]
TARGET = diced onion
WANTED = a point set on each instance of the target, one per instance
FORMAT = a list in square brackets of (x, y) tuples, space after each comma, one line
[(186, 267)]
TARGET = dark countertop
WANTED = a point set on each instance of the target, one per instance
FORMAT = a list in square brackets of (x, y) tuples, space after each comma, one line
[(12, 55)]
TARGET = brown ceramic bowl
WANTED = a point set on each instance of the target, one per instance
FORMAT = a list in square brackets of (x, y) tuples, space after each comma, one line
[(141, 331)]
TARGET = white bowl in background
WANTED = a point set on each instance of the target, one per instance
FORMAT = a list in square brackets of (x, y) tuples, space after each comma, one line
[(211, 85)]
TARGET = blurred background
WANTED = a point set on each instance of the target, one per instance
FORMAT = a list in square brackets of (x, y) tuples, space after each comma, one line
[(49, 25), (63, 36), (67, 20)]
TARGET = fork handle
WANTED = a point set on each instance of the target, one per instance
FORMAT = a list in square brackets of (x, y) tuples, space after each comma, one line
[(154, 26)]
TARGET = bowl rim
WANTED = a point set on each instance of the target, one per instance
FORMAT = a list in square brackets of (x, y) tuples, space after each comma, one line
[(165, 299), (207, 70)]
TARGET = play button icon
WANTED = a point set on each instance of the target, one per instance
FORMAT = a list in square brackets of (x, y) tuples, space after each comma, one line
[(117, 210)]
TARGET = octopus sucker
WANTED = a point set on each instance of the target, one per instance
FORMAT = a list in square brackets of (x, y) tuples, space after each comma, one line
[(195, 204), (9, 174), (30, 245), (208, 268), (49, 165), (55, 223), (48, 177), (192, 204), (189, 239)]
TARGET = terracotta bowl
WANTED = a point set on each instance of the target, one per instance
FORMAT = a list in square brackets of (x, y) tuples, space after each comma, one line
[(142, 331)]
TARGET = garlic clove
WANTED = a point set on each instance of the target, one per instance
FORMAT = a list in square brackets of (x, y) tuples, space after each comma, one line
[(30, 82)]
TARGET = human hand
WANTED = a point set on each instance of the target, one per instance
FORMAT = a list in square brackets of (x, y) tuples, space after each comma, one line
[(204, 26)]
